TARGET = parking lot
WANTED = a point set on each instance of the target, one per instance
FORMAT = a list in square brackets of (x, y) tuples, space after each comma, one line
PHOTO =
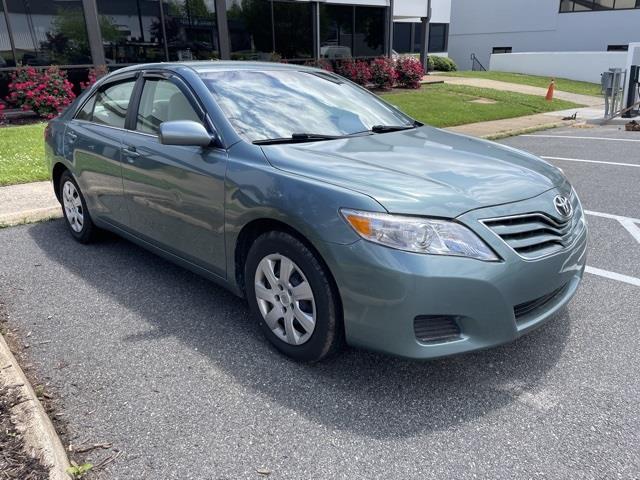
[(171, 370)]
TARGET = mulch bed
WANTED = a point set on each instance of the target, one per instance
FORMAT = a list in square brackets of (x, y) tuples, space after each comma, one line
[(15, 462)]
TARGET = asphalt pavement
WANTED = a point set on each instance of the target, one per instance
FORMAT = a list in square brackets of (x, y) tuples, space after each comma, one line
[(171, 370)]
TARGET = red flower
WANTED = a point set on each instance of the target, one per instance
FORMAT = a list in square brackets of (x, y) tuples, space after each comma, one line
[(44, 92), (410, 72), (383, 73)]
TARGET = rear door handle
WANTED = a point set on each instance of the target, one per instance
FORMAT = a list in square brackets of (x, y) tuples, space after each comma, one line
[(72, 136)]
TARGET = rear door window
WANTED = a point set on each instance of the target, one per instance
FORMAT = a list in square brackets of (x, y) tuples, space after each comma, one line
[(110, 104)]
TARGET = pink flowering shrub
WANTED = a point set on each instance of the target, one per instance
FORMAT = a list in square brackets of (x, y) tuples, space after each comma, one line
[(357, 71), (410, 71), (325, 65), (320, 63), (383, 73), (95, 73), (44, 92), (2, 107)]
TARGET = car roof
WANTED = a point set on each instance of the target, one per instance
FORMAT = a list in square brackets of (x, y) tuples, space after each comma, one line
[(205, 66)]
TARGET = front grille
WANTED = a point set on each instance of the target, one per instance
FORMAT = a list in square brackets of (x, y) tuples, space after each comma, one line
[(436, 328), (535, 235), (527, 307)]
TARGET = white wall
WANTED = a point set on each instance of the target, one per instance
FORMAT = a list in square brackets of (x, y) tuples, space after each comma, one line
[(585, 66), (413, 10), (477, 26)]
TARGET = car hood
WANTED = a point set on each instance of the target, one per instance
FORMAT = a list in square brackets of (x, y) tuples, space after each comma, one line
[(423, 171)]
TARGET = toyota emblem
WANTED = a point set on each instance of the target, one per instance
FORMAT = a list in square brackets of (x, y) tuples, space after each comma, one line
[(563, 205)]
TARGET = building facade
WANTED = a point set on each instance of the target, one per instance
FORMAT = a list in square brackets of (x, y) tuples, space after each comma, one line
[(510, 26), (78, 34), (407, 31)]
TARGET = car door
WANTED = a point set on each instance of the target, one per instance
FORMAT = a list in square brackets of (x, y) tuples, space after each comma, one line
[(175, 194), (93, 144)]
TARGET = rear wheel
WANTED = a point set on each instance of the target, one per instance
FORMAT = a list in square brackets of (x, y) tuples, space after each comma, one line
[(75, 210), (292, 298)]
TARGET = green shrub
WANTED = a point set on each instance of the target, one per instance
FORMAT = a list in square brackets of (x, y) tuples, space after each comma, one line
[(442, 64)]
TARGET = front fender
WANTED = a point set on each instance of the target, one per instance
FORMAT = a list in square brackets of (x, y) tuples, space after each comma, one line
[(255, 190)]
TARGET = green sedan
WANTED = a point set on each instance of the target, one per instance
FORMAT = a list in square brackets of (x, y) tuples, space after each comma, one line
[(340, 219)]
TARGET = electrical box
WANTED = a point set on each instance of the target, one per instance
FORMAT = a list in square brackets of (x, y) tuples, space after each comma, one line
[(633, 93)]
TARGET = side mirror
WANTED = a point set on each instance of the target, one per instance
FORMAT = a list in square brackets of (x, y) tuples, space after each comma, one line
[(185, 132)]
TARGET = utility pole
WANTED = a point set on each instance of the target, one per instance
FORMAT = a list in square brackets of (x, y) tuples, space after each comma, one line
[(424, 44)]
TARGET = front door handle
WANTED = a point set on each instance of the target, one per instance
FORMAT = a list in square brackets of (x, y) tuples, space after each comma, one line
[(130, 153)]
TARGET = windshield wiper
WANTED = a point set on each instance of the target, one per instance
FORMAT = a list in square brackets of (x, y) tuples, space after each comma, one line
[(298, 138), (391, 128)]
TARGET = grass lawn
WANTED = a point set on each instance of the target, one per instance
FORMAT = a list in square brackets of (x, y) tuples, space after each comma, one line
[(22, 154), (572, 86), (22, 149), (444, 105)]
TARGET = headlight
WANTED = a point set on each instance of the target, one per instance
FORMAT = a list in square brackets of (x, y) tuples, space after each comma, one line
[(419, 235)]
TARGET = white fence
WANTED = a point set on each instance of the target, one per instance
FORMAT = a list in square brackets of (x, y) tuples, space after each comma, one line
[(585, 66)]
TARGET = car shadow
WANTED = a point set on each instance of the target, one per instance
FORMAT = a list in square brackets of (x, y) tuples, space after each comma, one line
[(365, 393)]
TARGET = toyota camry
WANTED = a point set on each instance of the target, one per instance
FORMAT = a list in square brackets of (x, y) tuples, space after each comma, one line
[(340, 219)]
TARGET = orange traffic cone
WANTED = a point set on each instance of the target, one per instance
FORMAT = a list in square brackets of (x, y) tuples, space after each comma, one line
[(552, 88)]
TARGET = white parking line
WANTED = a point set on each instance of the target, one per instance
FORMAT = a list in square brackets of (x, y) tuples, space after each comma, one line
[(630, 224), (620, 218), (592, 161), (613, 276), (586, 138)]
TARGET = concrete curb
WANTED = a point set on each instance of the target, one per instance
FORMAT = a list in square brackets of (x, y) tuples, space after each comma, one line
[(522, 131), (30, 216), (39, 433), (498, 134), (28, 202)]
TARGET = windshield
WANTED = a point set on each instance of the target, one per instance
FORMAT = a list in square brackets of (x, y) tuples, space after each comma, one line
[(273, 104)]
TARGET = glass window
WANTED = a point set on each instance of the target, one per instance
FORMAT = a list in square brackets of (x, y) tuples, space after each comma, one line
[(111, 104), (293, 29), (587, 5), (250, 33), (623, 4), (268, 104), (438, 34), (566, 6), (617, 48), (191, 28), (417, 36), (402, 37), (6, 54), (582, 5), (336, 31), (131, 31), (86, 112), (603, 4), (369, 32), (49, 32), (162, 101)]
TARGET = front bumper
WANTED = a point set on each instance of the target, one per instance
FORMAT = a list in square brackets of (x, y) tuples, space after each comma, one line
[(384, 290)]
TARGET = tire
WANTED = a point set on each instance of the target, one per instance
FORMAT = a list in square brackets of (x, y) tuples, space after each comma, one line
[(308, 292), (74, 209)]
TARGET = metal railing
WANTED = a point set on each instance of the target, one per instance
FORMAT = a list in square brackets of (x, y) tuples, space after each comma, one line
[(476, 66)]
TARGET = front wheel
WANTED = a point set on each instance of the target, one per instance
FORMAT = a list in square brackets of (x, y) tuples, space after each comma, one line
[(290, 294)]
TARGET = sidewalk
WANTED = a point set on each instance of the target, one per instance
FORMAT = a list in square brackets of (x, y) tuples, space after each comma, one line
[(28, 202), (587, 100)]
